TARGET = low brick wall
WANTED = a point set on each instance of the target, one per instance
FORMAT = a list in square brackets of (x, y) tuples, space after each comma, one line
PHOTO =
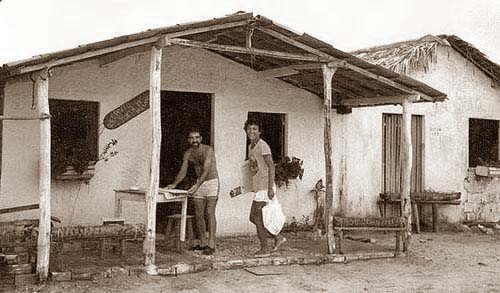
[(481, 200)]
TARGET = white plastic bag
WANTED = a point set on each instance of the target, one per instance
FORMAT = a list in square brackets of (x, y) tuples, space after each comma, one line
[(273, 216)]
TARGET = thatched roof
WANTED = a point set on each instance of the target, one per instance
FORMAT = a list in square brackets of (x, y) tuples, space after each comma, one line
[(354, 79), (405, 56)]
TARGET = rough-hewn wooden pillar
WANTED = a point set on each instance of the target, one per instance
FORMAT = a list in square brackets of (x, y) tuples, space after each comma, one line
[(155, 110), (43, 250), (406, 161), (328, 73)]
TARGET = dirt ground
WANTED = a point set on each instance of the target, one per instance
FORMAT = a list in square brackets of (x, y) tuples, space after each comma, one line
[(439, 262)]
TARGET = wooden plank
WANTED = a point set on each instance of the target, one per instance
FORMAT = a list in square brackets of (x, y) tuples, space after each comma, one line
[(19, 209), (83, 56), (249, 45), (43, 255), (288, 70), (123, 46), (383, 100), (25, 117), (406, 159), (127, 111), (328, 212), (243, 50), (155, 108), (2, 105)]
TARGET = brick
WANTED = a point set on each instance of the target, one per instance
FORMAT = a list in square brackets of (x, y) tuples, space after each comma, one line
[(221, 265), (183, 268), (203, 266), (118, 272), (265, 262), (169, 271), (61, 276), (23, 258), (279, 261), (81, 276), (136, 271), (20, 269), (10, 259), (25, 279), (251, 262), (234, 264)]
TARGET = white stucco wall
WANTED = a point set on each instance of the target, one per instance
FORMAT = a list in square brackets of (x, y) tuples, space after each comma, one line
[(470, 95), (236, 90)]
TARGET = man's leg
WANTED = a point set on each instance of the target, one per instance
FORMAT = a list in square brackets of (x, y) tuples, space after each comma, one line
[(199, 215), (212, 221), (262, 233)]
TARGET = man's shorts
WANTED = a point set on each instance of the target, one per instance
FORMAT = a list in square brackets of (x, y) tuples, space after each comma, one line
[(209, 188)]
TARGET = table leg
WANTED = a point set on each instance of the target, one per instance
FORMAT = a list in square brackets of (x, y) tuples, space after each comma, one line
[(416, 217), (118, 206), (434, 217), (183, 220)]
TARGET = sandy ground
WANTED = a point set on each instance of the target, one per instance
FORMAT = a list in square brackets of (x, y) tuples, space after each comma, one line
[(444, 262)]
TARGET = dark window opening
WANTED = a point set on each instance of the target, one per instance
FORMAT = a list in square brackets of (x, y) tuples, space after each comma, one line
[(483, 142), (272, 132), (74, 134)]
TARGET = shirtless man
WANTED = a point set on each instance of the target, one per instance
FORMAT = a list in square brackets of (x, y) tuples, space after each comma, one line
[(206, 190)]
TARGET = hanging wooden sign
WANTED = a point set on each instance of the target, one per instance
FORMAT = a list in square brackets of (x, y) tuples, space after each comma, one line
[(127, 111)]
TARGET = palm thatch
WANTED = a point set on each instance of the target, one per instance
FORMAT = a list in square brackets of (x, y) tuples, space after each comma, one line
[(405, 56)]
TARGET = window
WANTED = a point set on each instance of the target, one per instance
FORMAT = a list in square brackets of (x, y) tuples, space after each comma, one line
[(74, 137), (483, 142), (273, 132)]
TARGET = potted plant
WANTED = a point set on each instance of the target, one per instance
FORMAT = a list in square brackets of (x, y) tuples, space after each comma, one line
[(288, 169), (76, 161)]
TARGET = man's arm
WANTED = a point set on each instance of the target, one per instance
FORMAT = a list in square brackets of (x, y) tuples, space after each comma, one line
[(182, 172), (209, 160), (270, 167)]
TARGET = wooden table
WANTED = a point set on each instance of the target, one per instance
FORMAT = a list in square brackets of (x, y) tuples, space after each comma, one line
[(382, 204), (140, 196)]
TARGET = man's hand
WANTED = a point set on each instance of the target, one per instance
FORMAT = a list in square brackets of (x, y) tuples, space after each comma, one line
[(193, 189), (270, 193), (170, 186)]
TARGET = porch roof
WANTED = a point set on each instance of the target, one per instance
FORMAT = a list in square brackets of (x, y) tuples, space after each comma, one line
[(257, 42)]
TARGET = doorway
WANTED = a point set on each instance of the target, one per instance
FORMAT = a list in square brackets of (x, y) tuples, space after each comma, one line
[(180, 111)]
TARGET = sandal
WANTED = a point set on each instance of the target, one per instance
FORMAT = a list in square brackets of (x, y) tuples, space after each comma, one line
[(198, 247), (208, 250)]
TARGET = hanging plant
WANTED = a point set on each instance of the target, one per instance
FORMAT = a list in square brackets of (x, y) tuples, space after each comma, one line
[(288, 169)]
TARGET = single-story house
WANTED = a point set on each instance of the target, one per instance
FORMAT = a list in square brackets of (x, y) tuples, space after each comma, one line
[(212, 74), (450, 139)]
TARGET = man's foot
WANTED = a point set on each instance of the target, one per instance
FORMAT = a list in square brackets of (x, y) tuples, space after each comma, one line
[(278, 243), (208, 250), (198, 247), (262, 253)]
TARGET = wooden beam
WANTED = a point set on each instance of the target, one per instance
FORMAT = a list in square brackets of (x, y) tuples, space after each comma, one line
[(19, 208), (249, 45), (25, 117), (83, 56), (328, 73), (342, 63), (384, 100), (43, 250), (152, 191), (288, 70), (111, 49), (406, 161), (243, 50)]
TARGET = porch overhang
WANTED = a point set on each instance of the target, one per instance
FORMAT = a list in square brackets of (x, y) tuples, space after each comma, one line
[(272, 50)]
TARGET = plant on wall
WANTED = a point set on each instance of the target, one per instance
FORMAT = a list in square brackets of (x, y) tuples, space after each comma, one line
[(288, 169), (79, 157)]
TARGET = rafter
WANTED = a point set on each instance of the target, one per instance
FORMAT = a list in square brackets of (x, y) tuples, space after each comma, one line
[(375, 101), (244, 50)]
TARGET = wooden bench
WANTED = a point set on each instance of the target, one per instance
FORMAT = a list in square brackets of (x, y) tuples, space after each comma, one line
[(103, 234), (397, 225), (420, 199)]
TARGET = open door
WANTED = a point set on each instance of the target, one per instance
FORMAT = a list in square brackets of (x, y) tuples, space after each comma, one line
[(180, 111)]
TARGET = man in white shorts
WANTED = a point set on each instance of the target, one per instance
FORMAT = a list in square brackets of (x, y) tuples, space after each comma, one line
[(206, 190)]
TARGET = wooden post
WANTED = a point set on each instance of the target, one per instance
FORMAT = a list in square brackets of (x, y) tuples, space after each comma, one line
[(406, 161), (152, 191), (43, 254), (328, 73)]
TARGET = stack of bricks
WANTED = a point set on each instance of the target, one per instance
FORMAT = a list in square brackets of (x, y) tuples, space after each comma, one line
[(17, 265)]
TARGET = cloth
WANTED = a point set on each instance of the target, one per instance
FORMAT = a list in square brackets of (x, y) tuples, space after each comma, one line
[(208, 188), (259, 169)]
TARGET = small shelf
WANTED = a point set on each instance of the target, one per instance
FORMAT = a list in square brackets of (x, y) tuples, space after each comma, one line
[(72, 174)]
